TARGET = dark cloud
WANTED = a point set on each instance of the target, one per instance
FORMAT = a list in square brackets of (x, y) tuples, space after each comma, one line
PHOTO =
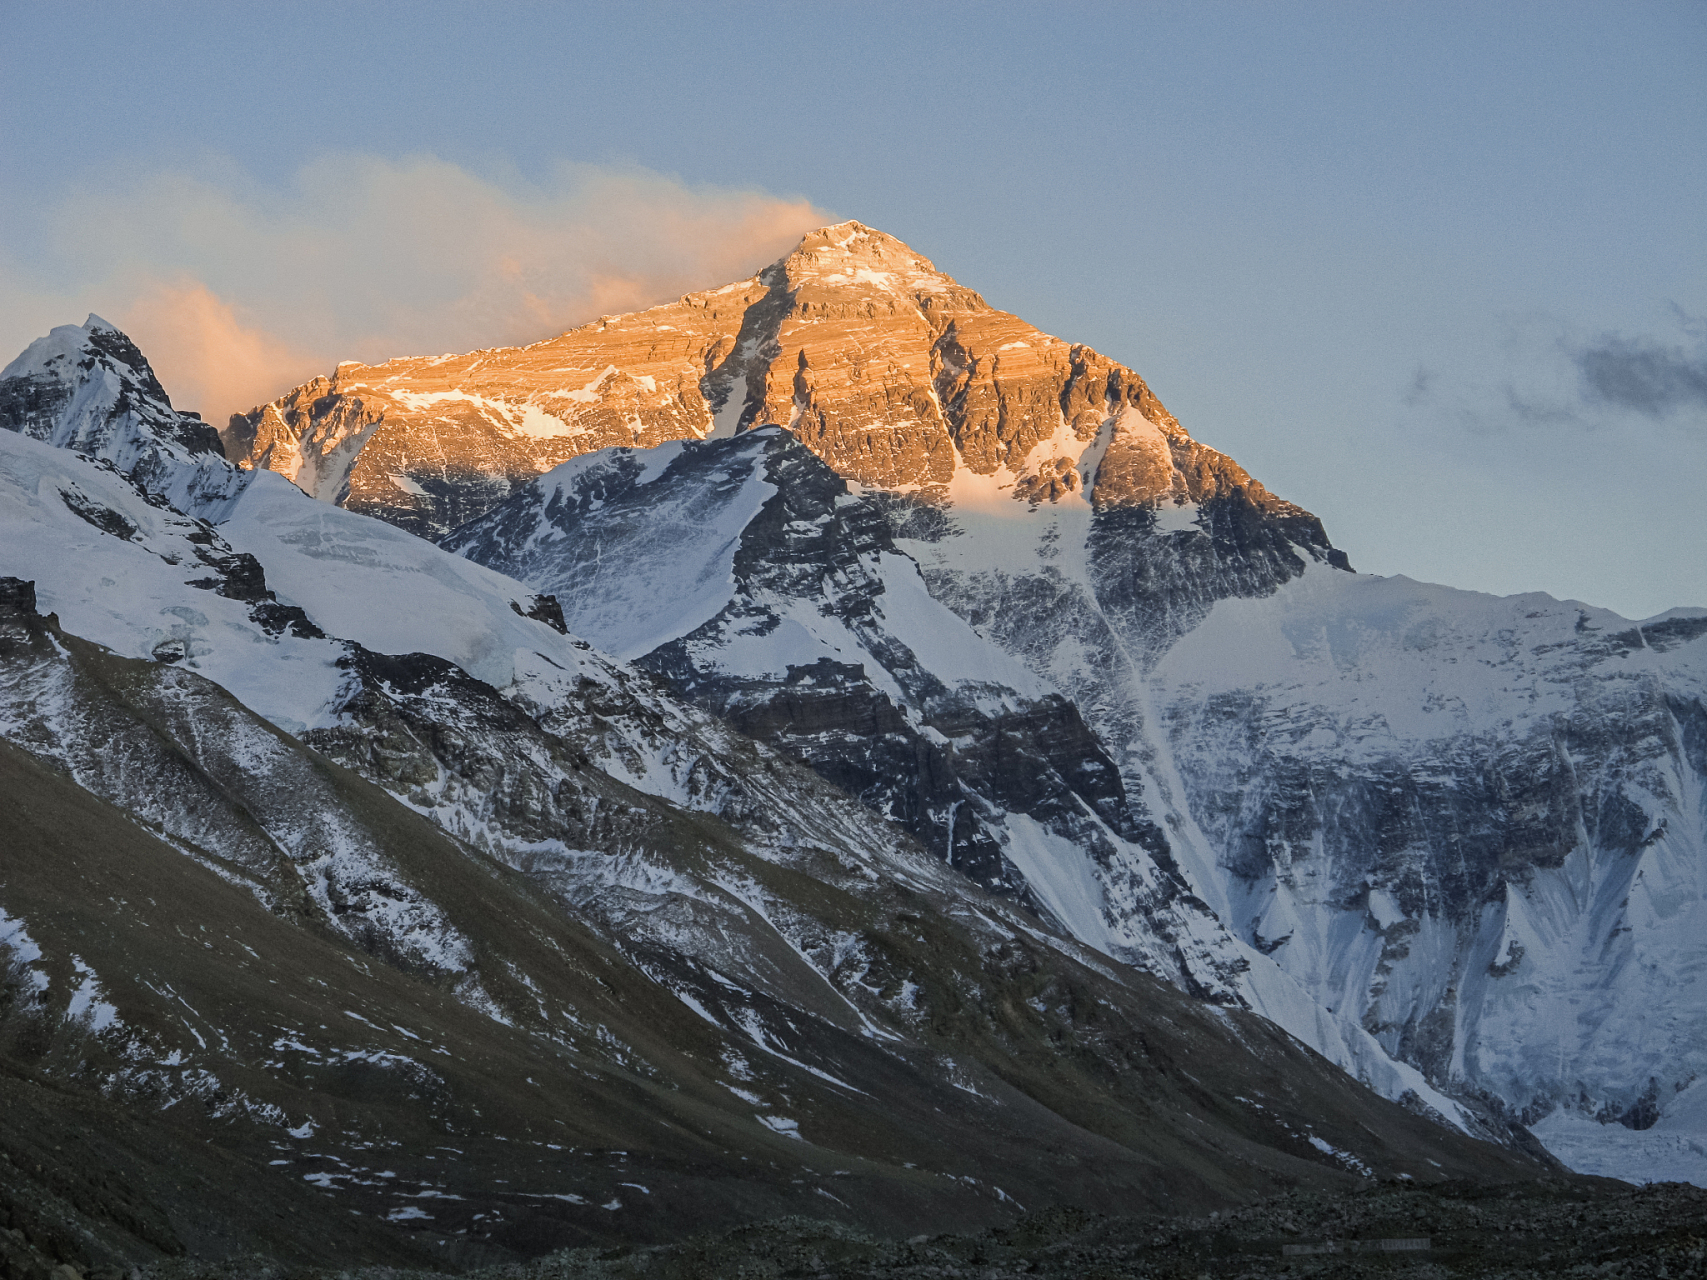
[(1642, 375), (1535, 411), (1556, 380), (1422, 383)]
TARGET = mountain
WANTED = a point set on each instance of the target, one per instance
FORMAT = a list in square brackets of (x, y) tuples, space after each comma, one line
[(898, 377), (356, 909), (984, 581), (1485, 818), (88, 388)]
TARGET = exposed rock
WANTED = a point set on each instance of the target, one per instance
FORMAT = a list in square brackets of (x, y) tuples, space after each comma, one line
[(1238, 793), (885, 367), (87, 387), (747, 574)]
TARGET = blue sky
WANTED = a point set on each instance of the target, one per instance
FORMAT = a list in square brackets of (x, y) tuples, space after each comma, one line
[(1437, 272)]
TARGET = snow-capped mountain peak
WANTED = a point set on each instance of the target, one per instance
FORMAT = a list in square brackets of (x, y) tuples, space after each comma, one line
[(88, 388), (890, 370)]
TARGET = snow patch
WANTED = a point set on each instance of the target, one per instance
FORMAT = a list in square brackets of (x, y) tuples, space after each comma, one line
[(86, 1007)]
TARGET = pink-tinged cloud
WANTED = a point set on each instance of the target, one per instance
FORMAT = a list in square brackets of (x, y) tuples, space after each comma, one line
[(237, 294), (204, 355)]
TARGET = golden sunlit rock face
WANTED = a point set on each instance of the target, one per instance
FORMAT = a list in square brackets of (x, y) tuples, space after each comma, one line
[(889, 370)]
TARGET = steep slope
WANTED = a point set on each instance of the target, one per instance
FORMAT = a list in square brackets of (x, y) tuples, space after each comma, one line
[(890, 371), (745, 573), (655, 954), (898, 378)]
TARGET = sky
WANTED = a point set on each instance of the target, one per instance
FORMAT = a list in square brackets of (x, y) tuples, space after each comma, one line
[(1436, 272)]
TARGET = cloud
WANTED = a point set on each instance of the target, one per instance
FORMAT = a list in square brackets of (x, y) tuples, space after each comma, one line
[(237, 292), (1421, 388), (1643, 375), (1540, 375), (1536, 411), (204, 354)]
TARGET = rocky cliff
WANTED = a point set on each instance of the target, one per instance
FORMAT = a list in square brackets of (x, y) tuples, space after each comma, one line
[(747, 574), (87, 387), (894, 374)]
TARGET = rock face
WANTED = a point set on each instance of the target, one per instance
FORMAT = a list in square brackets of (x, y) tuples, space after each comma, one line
[(765, 589), (1051, 503), (981, 579), (1481, 820), (747, 574)]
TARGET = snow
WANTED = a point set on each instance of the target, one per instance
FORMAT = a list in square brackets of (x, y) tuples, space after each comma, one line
[(63, 344), (590, 393), (24, 952), (527, 419), (1344, 1157), (998, 543), (133, 595), (1584, 979), (781, 1125), (541, 425), (801, 636), (363, 580), (1660, 1154), (676, 577), (727, 419), (419, 400), (1282, 999), (86, 1006), (1603, 952), (940, 639), (105, 413), (1176, 517), (1062, 876), (750, 1022)]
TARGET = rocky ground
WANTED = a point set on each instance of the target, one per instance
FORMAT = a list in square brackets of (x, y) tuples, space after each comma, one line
[(1552, 1228)]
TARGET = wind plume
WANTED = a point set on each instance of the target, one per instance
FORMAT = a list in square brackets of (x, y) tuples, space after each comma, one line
[(236, 294)]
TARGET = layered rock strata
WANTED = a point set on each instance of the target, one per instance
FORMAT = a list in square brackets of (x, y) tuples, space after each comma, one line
[(890, 371)]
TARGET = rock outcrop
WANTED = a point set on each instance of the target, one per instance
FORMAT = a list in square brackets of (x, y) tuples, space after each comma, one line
[(764, 589)]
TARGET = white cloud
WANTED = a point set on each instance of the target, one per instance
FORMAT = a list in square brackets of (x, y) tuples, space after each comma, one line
[(237, 293)]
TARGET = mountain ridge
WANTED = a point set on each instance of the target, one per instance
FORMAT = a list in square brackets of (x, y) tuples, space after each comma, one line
[(809, 343)]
